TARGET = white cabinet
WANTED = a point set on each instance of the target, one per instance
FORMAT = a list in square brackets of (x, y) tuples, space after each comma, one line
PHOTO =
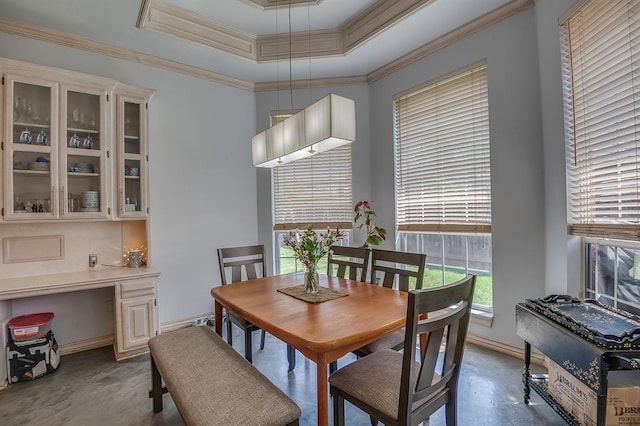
[(69, 152), (136, 315), (132, 151)]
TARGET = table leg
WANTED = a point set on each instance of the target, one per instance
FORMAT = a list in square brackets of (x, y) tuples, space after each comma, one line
[(526, 373), (323, 391), (218, 318)]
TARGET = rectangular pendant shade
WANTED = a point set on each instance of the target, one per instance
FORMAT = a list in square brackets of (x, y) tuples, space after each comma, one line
[(324, 125)]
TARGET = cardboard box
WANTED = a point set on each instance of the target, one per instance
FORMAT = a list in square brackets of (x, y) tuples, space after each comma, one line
[(623, 396)]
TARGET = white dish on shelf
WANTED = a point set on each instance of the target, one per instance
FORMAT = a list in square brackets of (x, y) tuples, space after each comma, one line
[(40, 166)]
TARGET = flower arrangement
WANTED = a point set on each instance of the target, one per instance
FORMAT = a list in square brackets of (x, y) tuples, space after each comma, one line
[(309, 247), (375, 234)]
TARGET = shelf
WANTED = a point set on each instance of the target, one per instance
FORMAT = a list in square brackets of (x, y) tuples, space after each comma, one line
[(36, 125), (80, 174), (86, 152), (132, 137), (539, 385), (131, 177), (31, 172), (77, 130), (29, 147)]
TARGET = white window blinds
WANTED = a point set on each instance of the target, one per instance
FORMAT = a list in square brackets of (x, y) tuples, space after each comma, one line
[(314, 190), (602, 70), (442, 155)]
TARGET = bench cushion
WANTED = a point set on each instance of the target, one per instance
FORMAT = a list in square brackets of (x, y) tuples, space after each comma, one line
[(211, 383)]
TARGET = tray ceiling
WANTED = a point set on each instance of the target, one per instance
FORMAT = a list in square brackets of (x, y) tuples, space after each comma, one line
[(245, 42)]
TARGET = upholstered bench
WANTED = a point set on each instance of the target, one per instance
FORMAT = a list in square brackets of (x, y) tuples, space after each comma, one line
[(211, 384)]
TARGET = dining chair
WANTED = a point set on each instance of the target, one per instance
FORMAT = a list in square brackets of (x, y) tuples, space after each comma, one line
[(243, 263), (351, 259), (394, 266), (404, 391)]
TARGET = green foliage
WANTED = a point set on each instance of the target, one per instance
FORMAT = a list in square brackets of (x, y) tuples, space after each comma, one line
[(375, 234)]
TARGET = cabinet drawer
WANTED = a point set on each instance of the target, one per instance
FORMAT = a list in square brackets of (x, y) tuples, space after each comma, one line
[(137, 288)]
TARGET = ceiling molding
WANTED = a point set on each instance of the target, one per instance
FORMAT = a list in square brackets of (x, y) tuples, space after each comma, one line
[(77, 42), (186, 25), (307, 84), (486, 20), (177, 22), (271, 4), (377, 18), (303, 45), (69, 40)]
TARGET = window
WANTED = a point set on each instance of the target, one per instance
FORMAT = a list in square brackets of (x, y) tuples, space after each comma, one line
[(442, 180), (600, 41), (314, 190)]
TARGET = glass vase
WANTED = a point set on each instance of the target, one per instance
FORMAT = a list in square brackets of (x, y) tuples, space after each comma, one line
[(311, 279)]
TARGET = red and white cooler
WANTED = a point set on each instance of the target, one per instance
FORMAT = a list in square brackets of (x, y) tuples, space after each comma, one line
[(32, 350)]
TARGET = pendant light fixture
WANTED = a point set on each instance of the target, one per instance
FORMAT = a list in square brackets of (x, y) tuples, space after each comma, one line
[(323, 125)]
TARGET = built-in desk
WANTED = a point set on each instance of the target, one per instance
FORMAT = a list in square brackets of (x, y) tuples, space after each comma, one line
[(135, 300)]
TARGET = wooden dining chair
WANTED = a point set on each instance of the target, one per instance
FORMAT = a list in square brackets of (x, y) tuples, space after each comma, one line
[(390, 267), (243, 263), (404, 391), (348, 259)]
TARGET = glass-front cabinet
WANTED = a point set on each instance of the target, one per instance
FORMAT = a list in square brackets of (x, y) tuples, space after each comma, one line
[(83, 159), (132, 192), (30, 149), (56, 150)]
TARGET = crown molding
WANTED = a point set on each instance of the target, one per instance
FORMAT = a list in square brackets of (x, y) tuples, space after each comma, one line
[(177, 22), (77, 42), (181, 23), (271, 4), (377, 18), (486, 20), (69, 40), (268, 86)]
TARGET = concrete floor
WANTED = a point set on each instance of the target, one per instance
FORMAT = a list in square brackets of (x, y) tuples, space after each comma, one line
[(90, 388)]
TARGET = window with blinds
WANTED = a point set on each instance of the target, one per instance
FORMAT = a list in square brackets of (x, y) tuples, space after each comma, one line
[(442, 155), (602, 114), (314, 190)]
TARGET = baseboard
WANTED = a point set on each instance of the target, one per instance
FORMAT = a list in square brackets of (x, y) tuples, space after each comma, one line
[(184, 322), (495, 345), (85, 345)]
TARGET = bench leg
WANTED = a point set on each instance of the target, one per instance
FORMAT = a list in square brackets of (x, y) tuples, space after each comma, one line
[(156, 387), (248, 346)]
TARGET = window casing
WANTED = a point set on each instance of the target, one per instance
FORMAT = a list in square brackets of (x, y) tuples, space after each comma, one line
[(442, 178)]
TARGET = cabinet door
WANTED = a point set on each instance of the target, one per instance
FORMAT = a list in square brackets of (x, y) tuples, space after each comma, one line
[(137, 322), (84, 149), (30, 149), (132, 156)]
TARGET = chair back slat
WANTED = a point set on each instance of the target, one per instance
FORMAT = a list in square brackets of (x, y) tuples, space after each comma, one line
[(353, 259), (400, 267), (443, 313), (236, 260)]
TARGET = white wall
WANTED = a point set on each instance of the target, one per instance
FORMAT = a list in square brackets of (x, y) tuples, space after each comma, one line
[(203, 185), (517, 169), (360, 154)]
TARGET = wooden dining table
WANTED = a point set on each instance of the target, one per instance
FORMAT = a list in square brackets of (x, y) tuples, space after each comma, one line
[(323, 332)]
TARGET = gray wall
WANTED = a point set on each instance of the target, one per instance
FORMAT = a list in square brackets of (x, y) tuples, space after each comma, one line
[(517, 168), (203, 191), (206, 194)]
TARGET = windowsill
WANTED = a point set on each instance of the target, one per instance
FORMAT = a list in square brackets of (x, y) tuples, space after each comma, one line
[(481, 318), (477, 317)]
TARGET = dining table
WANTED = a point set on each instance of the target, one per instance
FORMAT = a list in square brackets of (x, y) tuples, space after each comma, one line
[(323, 332)]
